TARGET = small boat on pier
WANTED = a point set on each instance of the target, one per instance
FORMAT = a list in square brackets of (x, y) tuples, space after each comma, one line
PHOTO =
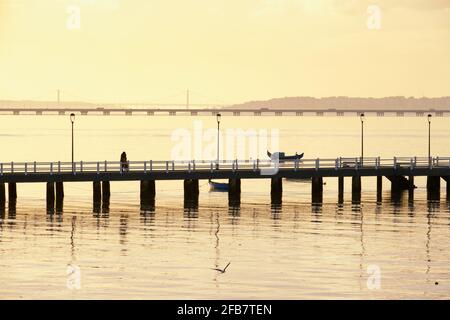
[(218, 186), (281, 156)]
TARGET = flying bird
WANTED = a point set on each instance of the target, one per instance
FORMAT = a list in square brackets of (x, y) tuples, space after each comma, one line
[(224, 269)]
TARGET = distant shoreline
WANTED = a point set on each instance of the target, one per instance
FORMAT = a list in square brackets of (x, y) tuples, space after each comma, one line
[(293, 103)]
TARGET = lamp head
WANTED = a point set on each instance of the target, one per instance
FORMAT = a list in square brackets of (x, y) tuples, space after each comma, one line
[(72, 117), (218, 117), (429, 117), (362, 116)]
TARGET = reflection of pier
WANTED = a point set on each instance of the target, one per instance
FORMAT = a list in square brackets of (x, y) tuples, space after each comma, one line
[(400, 171), (208, 111)]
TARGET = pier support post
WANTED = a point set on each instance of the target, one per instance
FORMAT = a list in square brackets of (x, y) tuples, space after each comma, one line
[(276, 190), (433, 187), (341, 189), (317, 189), (447, 179), (411, 189), (106, 191), (400, 183), (59, 186), (59, 191), (147, 194), (191, 192), (234, 192), (356, 189), (379, 188), (97, 192), (2, 194), (50, 196), (12, 192)]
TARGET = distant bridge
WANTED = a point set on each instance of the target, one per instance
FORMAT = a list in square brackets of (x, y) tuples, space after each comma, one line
[(211, 111)]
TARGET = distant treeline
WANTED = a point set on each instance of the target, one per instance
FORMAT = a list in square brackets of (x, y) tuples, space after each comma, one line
[(348, 102)]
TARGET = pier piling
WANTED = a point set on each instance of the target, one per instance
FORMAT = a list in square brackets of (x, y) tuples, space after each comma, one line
[(97, 192), (276, 190), (191, 190), (379, 188), (234, 192), (50, 196), (59, 186), (106, 191), (356, 189), (341, 189), (147, 194), (411, 189), (2, 194), (447, 179), (12, 192), (317, 189), (59, 192), (433, 187)]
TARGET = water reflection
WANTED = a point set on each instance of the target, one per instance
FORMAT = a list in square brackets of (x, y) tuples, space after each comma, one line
[(276, 210), (234, 212), (355, 235), (190, 210)]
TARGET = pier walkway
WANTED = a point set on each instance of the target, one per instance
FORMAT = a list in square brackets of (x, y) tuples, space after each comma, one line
[(399, 170)]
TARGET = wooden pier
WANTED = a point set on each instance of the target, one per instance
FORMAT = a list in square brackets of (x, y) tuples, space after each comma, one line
[(400, 171)]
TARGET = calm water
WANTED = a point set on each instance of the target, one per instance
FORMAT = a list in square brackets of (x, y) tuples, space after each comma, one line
[(294, 251)]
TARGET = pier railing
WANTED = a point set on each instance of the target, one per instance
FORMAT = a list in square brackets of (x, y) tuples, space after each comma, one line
[(355, 163)]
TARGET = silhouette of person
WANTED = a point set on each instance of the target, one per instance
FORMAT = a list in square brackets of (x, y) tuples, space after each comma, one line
[(124, 161)]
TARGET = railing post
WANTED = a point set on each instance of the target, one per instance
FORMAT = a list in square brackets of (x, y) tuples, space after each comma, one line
[(34, 165), (189, 167), (411, 164), (12, 167), (59, 166), (151, 165), (336, 164), (193, 164), (395, 163), (128, 167), (317, 164), (1, 168), (356, 164), (237, 164), (74, 168), (98, 167), (257, 164), (51, 168), (212, 167), (26, 169), (106, 166), (173, 165), (167, 166), (145, 166), (81, 166)]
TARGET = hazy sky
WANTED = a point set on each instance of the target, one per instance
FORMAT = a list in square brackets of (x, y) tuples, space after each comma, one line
[(225, 51)]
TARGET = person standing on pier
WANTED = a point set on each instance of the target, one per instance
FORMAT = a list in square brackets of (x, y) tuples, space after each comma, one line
[(124, 162)]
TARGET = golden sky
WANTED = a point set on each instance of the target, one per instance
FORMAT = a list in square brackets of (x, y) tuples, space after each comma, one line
[(225, 51)]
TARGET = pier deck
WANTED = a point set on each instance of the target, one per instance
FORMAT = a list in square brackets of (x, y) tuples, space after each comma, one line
[(399, 170)]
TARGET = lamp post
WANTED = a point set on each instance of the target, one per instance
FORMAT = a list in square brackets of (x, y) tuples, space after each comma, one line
[(429, 139), (218, 139), (72, 120), (362, 137)]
